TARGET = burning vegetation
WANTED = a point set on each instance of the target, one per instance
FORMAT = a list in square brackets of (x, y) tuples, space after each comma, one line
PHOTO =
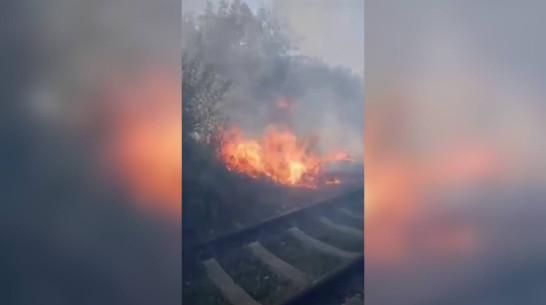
[(279, 156), (245, 98)]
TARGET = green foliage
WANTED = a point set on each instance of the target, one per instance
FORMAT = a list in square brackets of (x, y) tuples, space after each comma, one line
[(202, 92), (234, 62), (226, 47)]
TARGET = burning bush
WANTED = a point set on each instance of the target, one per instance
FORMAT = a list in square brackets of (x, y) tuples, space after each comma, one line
[(241, 68), (279, 156)]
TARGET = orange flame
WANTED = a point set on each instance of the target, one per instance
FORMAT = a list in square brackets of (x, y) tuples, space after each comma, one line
[(279, 155)]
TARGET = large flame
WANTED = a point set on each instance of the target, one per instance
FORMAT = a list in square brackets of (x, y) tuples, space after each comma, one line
[(279, 156)]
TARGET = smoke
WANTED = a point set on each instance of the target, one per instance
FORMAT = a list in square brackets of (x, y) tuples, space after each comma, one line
[(258, 49), (330, 31)]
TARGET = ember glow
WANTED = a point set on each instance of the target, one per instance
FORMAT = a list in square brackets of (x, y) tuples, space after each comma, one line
[(279, 156)]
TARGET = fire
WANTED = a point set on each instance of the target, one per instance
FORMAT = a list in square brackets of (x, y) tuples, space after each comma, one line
[(279, 156)]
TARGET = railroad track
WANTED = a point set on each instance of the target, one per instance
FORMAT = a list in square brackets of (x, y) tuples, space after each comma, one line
[(313, 255)]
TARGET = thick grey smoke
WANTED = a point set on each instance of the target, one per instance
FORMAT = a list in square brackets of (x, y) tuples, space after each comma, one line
[(330, 30), (267, 56)]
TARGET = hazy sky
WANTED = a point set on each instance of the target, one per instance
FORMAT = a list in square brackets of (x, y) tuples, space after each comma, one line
[(331, 30)]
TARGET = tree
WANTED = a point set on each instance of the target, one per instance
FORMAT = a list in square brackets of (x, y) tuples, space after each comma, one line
[(202, 92)]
